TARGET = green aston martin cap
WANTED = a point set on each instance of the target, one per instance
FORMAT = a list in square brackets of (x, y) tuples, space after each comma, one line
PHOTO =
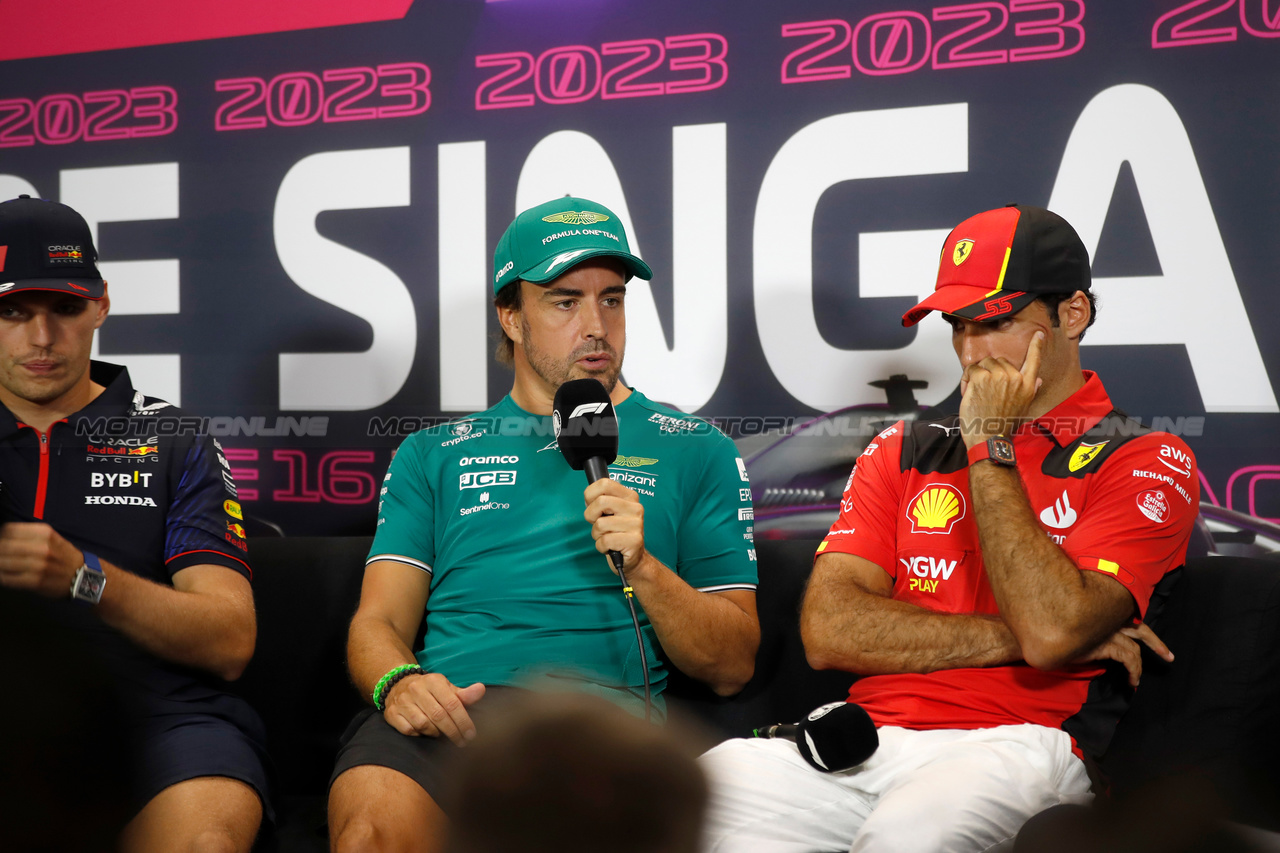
[(548, 240)]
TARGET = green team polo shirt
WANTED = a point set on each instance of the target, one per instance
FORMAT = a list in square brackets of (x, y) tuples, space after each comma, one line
[(489, 508)]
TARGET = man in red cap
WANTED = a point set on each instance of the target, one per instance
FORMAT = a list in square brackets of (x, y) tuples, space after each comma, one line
[(124, 534), (982, 569)]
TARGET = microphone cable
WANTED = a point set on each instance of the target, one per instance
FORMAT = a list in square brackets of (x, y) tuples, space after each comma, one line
[(629, 594)]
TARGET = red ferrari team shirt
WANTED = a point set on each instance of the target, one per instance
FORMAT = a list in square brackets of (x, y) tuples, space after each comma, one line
[(1117, 498)]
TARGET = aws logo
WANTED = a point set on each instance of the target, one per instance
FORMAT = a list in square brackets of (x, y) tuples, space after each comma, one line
[(576, 217), (1181, 462), (936, 509)]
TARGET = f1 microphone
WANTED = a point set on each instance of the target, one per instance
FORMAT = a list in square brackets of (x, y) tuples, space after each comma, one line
[(586, 429), (832, 738)]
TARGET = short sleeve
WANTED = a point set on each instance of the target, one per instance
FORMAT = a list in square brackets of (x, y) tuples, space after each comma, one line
[(205, 524), (1139, 514), (715, 551), (406, 511), (867, 526)]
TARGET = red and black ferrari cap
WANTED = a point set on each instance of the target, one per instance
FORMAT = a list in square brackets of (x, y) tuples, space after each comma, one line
[(997, 262), (45, 245)]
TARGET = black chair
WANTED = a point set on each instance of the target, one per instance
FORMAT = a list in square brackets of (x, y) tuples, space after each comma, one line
[(784, 687), (305, 590), (1203, 733)]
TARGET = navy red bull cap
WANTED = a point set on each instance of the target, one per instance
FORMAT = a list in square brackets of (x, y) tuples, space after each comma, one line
[(996, 263), (45, 245)]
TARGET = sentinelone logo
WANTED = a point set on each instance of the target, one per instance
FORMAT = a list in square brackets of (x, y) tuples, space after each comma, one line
[(218, 426)]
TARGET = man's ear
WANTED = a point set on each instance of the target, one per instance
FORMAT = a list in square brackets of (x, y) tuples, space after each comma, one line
[(509, 319), (104, 307), (1074, 315)]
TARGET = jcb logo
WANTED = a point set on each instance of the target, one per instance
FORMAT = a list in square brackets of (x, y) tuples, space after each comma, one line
[(927, 571), (485, 479)]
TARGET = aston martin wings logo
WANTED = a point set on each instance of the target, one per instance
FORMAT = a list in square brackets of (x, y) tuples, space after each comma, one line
[(576, 217), (634, 461)]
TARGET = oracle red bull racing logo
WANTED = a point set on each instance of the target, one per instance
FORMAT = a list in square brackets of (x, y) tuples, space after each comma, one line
[(126, 448)]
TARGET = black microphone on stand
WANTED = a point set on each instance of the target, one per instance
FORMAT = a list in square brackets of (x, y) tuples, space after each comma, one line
[(832, 738), (586, 430)]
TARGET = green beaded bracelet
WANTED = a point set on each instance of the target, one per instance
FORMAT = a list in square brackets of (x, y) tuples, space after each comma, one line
[(384, 685)]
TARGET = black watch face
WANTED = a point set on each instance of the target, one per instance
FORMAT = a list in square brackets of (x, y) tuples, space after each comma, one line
[(89, 586), (1001, 451)]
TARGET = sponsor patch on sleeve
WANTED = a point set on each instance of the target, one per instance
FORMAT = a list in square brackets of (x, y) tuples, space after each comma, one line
[(1108, 567)]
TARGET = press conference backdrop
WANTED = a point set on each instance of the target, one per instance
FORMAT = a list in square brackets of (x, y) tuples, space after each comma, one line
[(295, 202)]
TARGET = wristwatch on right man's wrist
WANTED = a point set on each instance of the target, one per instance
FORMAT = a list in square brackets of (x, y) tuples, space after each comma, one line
[(997, 449)]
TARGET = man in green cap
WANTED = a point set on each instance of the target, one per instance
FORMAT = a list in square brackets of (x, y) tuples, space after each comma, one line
[(482, 531)]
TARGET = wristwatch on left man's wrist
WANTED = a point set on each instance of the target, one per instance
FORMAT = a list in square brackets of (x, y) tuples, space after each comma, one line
[(89, 581), (997, 449)]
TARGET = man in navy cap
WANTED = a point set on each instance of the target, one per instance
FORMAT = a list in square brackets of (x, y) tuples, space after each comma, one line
[(129, 535)]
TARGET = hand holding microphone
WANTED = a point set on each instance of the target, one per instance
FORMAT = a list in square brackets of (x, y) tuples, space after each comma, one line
[(587, 433)]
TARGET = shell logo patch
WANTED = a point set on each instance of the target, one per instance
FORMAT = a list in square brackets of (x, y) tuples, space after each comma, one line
[(576, 217), (936, 509), (961, 252), (1083, 455)]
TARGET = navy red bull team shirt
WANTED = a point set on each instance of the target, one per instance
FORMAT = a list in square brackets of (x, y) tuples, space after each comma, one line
[(131, 479)]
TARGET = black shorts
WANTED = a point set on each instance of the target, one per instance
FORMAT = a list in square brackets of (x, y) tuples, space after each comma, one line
[(176, 747), (370, 739)]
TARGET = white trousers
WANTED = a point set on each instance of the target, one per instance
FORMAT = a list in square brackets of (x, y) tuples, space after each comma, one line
[(921, 792)]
